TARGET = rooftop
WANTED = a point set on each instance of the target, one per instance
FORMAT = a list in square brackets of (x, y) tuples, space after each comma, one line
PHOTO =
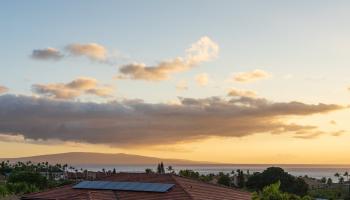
[(182, 189)]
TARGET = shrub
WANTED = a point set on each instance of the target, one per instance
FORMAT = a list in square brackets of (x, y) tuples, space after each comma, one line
[(31, 178)]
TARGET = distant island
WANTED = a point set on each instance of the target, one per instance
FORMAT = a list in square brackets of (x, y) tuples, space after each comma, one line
[(87, 158)]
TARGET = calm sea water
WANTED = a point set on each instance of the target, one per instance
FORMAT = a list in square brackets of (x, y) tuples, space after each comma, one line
[(315, 171)]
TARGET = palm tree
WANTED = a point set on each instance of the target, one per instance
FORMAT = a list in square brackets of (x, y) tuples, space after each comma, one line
[(337, 175), (347, 175), (170, 169)]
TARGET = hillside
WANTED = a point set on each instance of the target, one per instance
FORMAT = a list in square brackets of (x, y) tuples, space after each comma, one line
[(83, 158)]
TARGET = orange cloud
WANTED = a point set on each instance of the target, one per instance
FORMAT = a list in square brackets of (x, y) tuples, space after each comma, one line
[(93, 51), (252, 76), (202, 79), (202, 51), (73, 89), (233, 92), (3, 89)]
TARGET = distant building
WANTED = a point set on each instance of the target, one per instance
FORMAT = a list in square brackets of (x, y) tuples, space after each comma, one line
[(314, 183), (85, 175), (181, 189), (53, 175)]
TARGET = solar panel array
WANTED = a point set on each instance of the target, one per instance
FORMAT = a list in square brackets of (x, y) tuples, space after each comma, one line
[(129, 186)]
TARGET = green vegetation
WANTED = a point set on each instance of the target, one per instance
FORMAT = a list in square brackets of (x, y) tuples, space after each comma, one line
[(331, 190), (149, 171), (329, 193), (22, 178), (273, 192), (288, 183), (224, 179), (275, 184), (195, 175)]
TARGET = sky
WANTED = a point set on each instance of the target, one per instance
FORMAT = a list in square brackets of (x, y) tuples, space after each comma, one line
[(222, 81)]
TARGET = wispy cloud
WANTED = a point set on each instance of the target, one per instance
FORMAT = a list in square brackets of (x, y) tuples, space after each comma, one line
[(93, 51), (333, 122), (3, 89), (202, 79), (73, 89), (47, 54), (181, 85), (233, 92), (138, 123), (203, 50), (246, 77)]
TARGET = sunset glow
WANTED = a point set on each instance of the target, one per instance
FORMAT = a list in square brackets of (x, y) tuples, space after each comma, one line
[(229, 82)]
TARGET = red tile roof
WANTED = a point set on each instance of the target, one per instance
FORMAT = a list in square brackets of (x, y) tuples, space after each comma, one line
[(184, 189)]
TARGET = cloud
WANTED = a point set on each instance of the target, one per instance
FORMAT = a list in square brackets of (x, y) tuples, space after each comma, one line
[(233, 92), (245, 77), (132, 123), (47, 54), (3, 89), (338, 133), (202, 79), (11, 138), (202, 51), (182, 85), (93, 51), (73, 89)]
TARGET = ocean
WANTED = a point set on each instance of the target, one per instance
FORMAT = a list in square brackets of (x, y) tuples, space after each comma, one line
[(315, 171)]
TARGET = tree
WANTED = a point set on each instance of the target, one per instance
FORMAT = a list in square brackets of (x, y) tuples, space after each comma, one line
[(323, 180), (224, 179), (160, 168), (341, 180), (337, 175), (273, 192), (329, 181), (240, 179), (114, 171), (31, 178), (189, 173), (347, 175), (288, 183), (149, 171), (170, 169)]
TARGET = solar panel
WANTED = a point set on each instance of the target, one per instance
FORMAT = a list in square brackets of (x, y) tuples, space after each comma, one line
[(130, 186)]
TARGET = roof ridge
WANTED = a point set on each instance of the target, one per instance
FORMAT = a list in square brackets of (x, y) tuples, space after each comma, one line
[(212, 184), (177, 183)]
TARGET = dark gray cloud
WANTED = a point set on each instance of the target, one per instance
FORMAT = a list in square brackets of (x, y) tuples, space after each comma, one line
[(137, 123), (47, 54)]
